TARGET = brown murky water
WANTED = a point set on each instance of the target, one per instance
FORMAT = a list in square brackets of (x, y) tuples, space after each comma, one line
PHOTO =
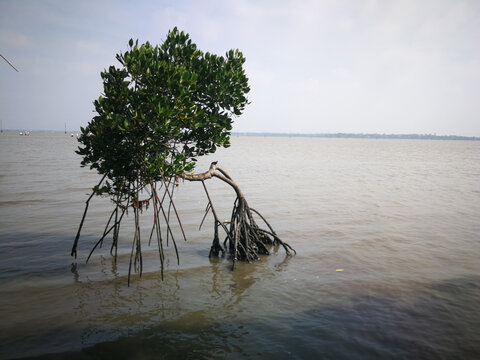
[(400, 217)]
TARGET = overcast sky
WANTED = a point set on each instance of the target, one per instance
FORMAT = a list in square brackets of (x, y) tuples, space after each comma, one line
[(386, 66)]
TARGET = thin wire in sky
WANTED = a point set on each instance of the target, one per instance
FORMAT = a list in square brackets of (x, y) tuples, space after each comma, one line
[(9, 63)]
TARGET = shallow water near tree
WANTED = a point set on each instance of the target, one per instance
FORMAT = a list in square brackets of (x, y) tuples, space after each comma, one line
[(400, 217)]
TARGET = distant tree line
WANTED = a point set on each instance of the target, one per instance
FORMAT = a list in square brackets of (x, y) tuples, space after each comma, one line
[(363, 136)]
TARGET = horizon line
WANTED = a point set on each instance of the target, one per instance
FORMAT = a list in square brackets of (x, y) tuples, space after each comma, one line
[(301, 134), (358, 135)]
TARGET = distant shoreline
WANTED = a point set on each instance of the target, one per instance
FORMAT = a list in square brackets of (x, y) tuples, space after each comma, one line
[(320, 135), (362, 136)]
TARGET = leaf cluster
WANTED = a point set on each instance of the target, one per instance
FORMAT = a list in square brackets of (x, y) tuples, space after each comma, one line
[(161, 108)]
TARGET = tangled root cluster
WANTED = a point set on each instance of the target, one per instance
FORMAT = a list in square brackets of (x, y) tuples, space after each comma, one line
[(244, 240)]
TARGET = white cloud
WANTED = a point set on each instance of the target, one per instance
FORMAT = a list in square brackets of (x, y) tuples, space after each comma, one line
[(13, 39), (319, 66), (169, 17)]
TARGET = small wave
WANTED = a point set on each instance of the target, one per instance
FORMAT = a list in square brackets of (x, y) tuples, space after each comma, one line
[(19, 202)]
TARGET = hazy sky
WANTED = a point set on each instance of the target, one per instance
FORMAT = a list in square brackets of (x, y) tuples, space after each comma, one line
[(386, 66)]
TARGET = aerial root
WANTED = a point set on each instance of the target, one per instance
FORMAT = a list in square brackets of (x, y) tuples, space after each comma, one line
[(163, 206), (245, 240)]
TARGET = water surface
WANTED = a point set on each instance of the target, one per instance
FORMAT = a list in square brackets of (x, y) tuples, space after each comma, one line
[(400, 217)]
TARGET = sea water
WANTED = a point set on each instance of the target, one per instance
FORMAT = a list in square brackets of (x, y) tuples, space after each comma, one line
[(387, 234)]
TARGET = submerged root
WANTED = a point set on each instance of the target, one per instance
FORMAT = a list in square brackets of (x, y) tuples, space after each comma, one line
[(244, 240)]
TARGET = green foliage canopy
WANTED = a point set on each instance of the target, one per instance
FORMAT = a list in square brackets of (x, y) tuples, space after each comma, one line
[(160, 109)]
